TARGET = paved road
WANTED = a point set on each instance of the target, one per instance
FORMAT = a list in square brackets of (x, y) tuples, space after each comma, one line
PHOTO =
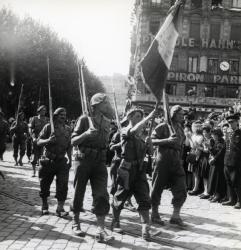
[(210, 225)]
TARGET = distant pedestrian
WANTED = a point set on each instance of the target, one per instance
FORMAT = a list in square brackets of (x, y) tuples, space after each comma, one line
[(36, 124), (19, 130)]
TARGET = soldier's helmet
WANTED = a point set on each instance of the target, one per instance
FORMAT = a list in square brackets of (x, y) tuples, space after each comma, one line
[(97, 99)]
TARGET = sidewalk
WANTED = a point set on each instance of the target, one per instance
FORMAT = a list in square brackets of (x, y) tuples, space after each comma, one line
[(210, 225)]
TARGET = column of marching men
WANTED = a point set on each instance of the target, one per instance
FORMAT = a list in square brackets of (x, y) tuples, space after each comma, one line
[(202, 158)]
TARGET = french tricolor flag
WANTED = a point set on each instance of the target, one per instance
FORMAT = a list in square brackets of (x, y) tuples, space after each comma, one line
[(157, 61)]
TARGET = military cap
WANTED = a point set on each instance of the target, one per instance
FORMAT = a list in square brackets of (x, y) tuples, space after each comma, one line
[(175, 109), (97, 98), (134, 110), (41, 107), (233, 117), (59, 110)]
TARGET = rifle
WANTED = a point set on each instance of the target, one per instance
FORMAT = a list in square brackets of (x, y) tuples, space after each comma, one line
[(19, 102), (39, 97), (116, 111), (50, 101), (83, 97)]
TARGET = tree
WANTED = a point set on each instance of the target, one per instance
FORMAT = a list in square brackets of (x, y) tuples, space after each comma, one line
[(24, 48)]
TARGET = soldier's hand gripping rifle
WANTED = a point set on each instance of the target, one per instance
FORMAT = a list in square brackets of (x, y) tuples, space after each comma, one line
[(50, 101), (19, 103), (83, 97)]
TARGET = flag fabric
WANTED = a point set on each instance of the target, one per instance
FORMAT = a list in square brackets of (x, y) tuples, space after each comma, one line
[(157, 61)]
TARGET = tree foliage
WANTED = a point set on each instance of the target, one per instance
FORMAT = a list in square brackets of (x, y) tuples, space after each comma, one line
[(24, 48)]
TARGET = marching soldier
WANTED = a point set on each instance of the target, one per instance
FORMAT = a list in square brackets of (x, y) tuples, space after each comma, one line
[(90, 164), (232, 162), (131, 176), (19, 130), (168, 167), (53, 162), (36, 124), (4, 131)]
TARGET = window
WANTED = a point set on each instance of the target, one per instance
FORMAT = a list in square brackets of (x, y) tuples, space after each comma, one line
[(196, 4), (236, 3), (215, 31), (231, 92), (234, 67), (154, 24), (171, 89), (155, 3), (235, 32), (216, 3), (174, 64), (193, 64), (194, 31), (191, 90), (213, 65), (210, 91)]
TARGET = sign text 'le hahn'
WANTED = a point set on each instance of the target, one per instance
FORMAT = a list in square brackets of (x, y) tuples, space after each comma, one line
[(208, 43), (201, 77)]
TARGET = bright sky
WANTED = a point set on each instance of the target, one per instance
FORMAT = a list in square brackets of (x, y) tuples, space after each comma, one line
[(98, 29)]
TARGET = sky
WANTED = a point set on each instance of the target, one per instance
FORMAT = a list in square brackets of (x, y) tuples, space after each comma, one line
[(99, 30)]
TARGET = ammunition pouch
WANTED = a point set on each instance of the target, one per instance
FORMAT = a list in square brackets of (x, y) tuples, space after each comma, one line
[(86, 152)]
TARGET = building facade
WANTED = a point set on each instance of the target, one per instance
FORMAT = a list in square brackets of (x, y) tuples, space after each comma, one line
[(206, 68)]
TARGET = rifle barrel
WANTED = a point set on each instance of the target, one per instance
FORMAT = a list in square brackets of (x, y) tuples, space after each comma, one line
[(50, 101)]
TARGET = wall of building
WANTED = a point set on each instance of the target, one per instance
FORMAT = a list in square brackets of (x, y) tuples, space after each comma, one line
[(207, 59)]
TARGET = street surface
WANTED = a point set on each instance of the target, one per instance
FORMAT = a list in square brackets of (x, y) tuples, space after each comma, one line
[(210, 225)]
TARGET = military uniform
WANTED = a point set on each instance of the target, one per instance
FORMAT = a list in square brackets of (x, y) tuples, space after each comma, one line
[(133, 151), (54, 163), (89, 164), (168, 168), (115, 163), (36, 124), (19, 131), (4, 130)]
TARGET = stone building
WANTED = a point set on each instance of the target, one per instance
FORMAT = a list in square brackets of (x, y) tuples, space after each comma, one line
[(206, 66)]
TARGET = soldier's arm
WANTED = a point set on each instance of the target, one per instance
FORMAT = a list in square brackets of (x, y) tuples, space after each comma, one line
[(115, 142), (45, 137), (160, 136), (79, 135), (139, 126)]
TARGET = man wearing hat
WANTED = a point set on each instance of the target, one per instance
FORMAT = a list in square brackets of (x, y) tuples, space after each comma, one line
[(19, 130), (232, 162), (4, 131), (91, 135), (36, 124), (53, 163), (131, 175), (168, 167)]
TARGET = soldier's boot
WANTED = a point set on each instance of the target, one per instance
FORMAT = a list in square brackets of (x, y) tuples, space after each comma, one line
[(238, 193), (16, 161), (60, 212), (76, 226), (155, 217), (145, 220), (115, 225), (176, 219), (45, 206), (231, 197), (34, 170), (101, 235), (20, 161), (128, 205)]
